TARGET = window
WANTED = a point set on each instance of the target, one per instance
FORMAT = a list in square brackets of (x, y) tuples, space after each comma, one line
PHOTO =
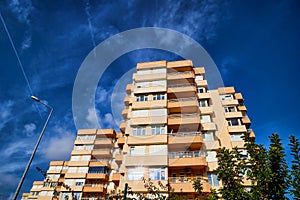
[(140, 113), (79, 182), (233, 122), (244, 153), (157, 173), (46, 184), (137, 150), (157, 97), (208, 136), (157, 130), (53, 184), (86, 157), (75, 158), (136, 131), (230, 109), (213, 179), (158, 112), (98, 170), (86, 137), (83, 147), (136, 173), (236, 137), (142, 98), (226, 97), (199, 77), (201, 89), (203, 103), (211, 156), (205, 118), (158, 150), (83, 169)]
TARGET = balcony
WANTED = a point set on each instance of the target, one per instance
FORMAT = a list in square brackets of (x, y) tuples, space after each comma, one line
[(81, 152), (102, 153), (238, 144), (206, 110), (146, 160), (239, 97), (149, 77), (236, 129), (125, 113), (99, 162), (108, 133), (119, 158), (246, 120), (149, 120), (191, 140), (202, 83), (126, 100), (242, 108), (199, 70), (210, 126), (87, 132), (116, 177), (178, 119), (205, 95), (180, 75), (75, 175), (138, 185), (77, 141), (149, 104), (79, 163), (185, 184), (233, 115), (93, 188), (98, 176), (123, 126), (182, 90), (187, 159), (226, 90), (230, 102), (103, 142), (183, 105), (182, 65), (121, 141), (129, 88), (150, 65), (151, 89), (147, 139)]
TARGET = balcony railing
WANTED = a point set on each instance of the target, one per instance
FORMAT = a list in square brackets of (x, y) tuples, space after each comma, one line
[(184, 115), (183, 134), (186, 154), (183, 99), (178, 73), (185, 179), (100, 160), (94, 185), (182, 85)]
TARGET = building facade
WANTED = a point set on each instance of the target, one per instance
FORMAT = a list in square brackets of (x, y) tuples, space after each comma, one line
[(173, 125)]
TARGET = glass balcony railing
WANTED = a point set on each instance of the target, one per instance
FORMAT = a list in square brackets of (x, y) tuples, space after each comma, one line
[(186, 154), (183, 99), (184, 134)]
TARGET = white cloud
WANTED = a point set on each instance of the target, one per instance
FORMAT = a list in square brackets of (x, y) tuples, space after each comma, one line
[(59, 147), (102, 95), (29, 129), (109, 120), (92, 119)]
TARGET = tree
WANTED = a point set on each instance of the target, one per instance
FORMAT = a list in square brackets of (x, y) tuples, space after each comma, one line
[(231, 170), (213, 195), (295, 172), (197, 185), (258, 170), (278, 169)]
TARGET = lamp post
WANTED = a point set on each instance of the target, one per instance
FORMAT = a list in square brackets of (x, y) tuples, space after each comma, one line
[(36, 146)]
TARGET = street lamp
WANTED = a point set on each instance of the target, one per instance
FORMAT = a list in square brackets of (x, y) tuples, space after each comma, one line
[(35, 148)]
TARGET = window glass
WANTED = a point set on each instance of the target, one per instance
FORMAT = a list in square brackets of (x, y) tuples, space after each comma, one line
[(157, 173), (75, 158), (137, 150), (203, 103), (72, 170), (142, 84), (230, 109), (233, 122), (158, 149), (157, 129), (201, 89), (211, 156), (98, 170), (146, 71), (142, 98), (226, 97), (157, 97), (159, 71), (213, 179), (205, 118), (140, 113), (136, 173), (83, 169), (236, 137), (199, 77), (137, 131), (158, 112), (159, 83)]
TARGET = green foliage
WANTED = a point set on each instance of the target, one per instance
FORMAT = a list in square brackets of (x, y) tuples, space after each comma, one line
[(231, 170), (295, 172), (213, 195), (279, 172), (197, 185)]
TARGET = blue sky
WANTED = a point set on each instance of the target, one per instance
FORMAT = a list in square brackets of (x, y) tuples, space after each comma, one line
[(253, 43)]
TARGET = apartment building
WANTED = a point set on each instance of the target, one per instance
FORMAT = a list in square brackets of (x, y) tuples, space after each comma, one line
[(173, 125)]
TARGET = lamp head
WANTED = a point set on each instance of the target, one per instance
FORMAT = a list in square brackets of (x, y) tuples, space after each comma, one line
[(35, 98)]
